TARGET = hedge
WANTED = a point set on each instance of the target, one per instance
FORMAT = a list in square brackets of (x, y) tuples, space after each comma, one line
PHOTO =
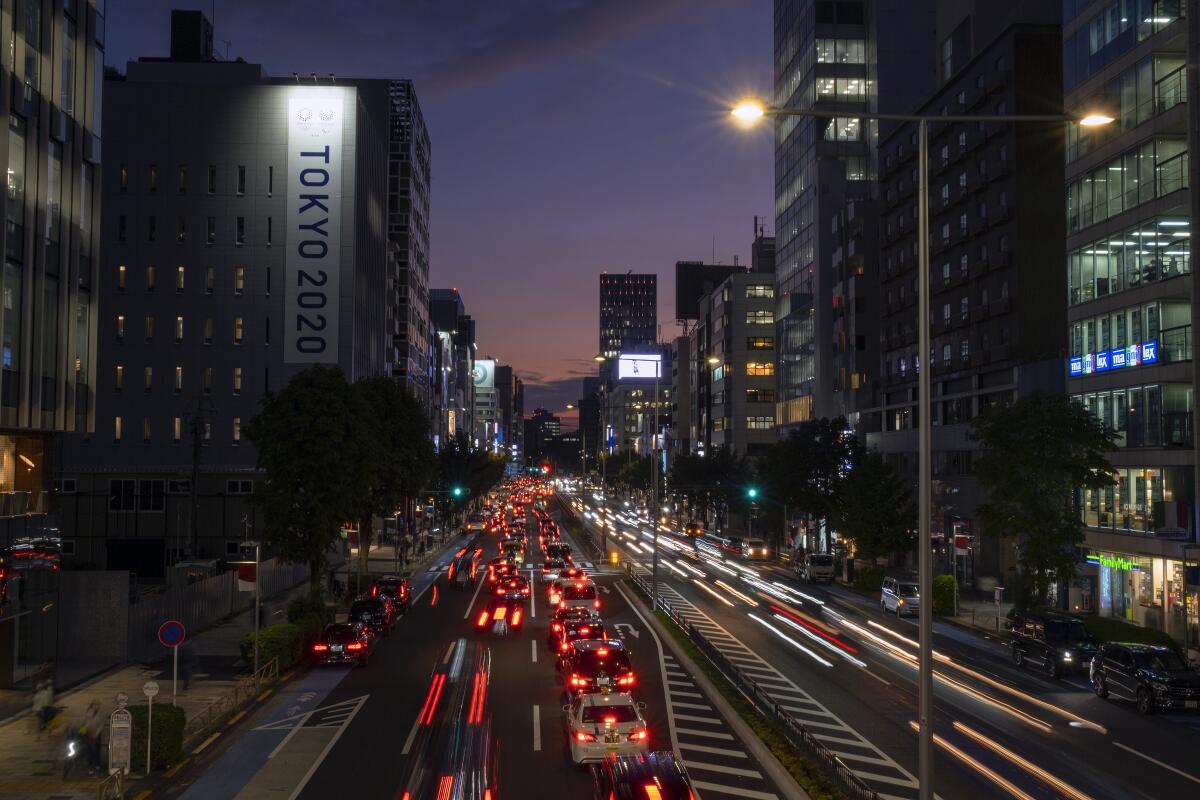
[(869, 578), (285, 642), (309, 605), (166, 736), (945, 590)]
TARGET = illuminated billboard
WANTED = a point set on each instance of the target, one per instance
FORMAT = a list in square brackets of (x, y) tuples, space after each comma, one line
[(484, 374), (639, 365)]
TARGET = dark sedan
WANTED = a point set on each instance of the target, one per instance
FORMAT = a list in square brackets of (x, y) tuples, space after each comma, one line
[(344, 643)]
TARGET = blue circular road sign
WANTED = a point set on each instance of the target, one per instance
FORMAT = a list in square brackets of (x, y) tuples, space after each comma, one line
[(171, 633)]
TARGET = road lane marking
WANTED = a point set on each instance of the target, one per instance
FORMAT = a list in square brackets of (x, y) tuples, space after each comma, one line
[(478, 585), (533, 649), (736, 791), (744, 773), (662, 665), (408, 743), (233, 720), (325, 752), (709, 734), (537, 727), (720, 751), (206, 743), (700, 706), (1178, 772), (693, 718), (171, 772)]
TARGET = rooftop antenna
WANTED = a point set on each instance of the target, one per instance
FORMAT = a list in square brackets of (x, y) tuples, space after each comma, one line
[(296, 75), (714, 250), (314, 77)]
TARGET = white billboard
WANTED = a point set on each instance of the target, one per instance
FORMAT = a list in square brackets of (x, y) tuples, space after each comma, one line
[(312, 260), (484, 374), (639, 365)]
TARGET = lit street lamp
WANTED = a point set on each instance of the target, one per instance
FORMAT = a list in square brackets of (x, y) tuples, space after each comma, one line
[(747, 114)]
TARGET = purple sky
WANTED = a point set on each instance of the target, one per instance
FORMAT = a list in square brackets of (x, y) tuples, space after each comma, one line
[(569, 137)]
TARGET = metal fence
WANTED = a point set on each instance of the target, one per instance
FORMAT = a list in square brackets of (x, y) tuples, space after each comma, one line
[(203, 722), (792, 729), (202, 603)]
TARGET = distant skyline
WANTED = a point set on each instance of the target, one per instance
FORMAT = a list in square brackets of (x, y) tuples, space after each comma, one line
[(570, 137)]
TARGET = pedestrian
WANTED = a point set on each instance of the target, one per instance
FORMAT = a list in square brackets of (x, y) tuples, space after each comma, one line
[(43, 703), (187, 662), (90, 730), (39, 705)]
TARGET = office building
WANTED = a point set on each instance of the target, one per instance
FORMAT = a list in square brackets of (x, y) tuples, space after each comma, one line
[(591, 399), (636, 410), (452, 392), (847, 56), (628, 316), (1129, 298), (238, 249), (510, 406), (540, 429), (995, 300), (486, 417)]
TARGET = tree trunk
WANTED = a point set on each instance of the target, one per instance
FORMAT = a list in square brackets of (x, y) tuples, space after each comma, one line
[(366, 530)]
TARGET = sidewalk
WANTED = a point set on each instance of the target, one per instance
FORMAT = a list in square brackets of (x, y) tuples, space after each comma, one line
[(31, 766)]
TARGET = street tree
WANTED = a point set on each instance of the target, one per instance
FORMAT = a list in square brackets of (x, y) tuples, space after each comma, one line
[(875, 509), (312, 443), (1035, 456)]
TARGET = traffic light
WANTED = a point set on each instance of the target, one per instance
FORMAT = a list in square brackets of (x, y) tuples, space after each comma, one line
[(752, 492), (457, 491)]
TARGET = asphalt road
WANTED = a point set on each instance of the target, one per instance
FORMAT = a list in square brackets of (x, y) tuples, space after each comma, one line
[(847, 672), (339, 730)]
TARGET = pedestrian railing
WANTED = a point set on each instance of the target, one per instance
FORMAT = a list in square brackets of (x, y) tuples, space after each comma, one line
[(227, 704), (793, 730), (112, 787)]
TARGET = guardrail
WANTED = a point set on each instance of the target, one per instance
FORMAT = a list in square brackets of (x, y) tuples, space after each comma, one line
[(112, 787), (792, 729), (227, 704)]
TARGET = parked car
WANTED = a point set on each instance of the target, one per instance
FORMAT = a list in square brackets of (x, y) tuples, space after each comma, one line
[(376, 612), (628, 776), (343, 642), (394, 588), (816, 567), (1152, 676), (900, 596), (1058, 643), (599, 724)]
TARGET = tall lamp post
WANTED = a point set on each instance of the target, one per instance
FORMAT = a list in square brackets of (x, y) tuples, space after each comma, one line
[(603, 422), (751, 112)]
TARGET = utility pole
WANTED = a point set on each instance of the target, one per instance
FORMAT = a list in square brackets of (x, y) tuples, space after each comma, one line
[(200, 424), (654, 489)]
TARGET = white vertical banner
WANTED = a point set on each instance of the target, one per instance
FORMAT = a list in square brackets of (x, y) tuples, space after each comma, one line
[(312, 262)]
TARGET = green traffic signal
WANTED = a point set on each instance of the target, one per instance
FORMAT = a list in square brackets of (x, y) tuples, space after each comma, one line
[(752, 492), (457, 491)]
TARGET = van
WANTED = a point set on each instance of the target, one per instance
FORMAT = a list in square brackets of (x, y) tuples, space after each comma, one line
[(755, 550), (816, 567), (900, 596)]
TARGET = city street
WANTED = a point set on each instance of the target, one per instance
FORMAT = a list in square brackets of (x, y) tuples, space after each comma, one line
[(337, 724), (847, 672)]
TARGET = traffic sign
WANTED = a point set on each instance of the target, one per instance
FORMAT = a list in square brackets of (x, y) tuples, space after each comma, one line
[(122, 699), (150, 689), (172, 633), (120, 741)]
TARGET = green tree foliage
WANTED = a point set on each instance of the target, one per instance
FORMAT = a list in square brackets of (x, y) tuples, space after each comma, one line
[(314, 446), (1035, 455), (709, 479), (460, 465), (633, 471), (805, 471), (400, 456), (875, 508)]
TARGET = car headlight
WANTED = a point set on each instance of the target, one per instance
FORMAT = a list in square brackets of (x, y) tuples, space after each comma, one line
[(1068, 656)]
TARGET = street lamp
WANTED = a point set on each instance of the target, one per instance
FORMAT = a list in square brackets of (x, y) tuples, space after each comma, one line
[(750, 112)]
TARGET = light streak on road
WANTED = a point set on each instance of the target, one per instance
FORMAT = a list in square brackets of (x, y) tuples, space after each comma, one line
[(706, 588), (978, 766), (828, 646), (811, 654), (1033, 769), (798, 593), (690, 568), (750, 601), (719, 565)]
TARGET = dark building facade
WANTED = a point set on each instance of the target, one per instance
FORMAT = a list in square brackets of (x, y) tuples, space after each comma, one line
[(628, 316), (451, 392), (997, 302)]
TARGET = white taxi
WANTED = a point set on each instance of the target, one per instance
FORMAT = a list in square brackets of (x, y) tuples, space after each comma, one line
[(598, 725)]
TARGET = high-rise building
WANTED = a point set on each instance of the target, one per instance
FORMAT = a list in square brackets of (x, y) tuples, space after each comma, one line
[(994, 303), (540, 429), (452, 390), (1129, 294), (409, 184), (486, 412), (849, 57), (628, 316), (238, 249)]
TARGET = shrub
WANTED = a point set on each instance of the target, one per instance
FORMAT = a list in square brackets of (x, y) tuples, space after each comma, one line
[(869, 578), (166, 736), (284, 642), (309, 605), (945, 591)]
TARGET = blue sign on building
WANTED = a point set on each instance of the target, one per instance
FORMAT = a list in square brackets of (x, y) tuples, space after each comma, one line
[(1102, 362), (1150, 352), (1116, 357), (1076, 365)]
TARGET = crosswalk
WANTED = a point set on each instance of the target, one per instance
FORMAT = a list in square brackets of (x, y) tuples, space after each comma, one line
[(870, 764), (718, 766)]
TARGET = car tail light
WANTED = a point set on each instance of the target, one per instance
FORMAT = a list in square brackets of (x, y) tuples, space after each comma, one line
[(596, 602), (516, 617), (603, 651), (625, 681), (639, 735), (557, 627), (320, 648), (483, 618), (564, 647), (500, 590), (584, 736), (374, 591), (561, 603), (500, 613), (652, 792), (610, 720), (585, 630), (578, 681), (354, 646)]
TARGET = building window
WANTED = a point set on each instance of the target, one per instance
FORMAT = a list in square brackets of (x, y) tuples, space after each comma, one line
[(239, 487), (152, 178), (148, 378), (760, 317), (760, 423), (208, 331), (210, 234), (207, 434), (124, 173), (239, 236), (760, 343), (151, 275), (241, 179), (120, 327), (145, 429), (178, 378), (843, 129), (119, 381), (116, 429), (212, 178), (177, 430), (238, 330), (239, 280), (760, 290), (210, 279), (269, 221), (237, 380), (149, 329), (127, 494), (760, 369), (964, 308), (179, 272), (208, 380), (121, 278), (760, 395), (182, 178), (181, 234), (270, 180), (237, 429)]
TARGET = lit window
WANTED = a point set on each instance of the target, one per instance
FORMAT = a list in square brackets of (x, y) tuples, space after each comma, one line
[(120, 379), (148, 378), (178, 378), (145, 429), (760, 317), (760, 290), (237, 429), (237, 380), (120, 326), (760, 368), (208, 331), (210, 279), (239, 280), (149, 328), (117, 428), (121, 277), (151, 274), (178, 329), (179, 279), (238, 330), (177, 430)]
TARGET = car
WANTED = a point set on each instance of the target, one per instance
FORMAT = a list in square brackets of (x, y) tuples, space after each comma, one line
[(378, 613), (596, 665), (476, 522), (1152, 676), (551, 568), (464, 568), (499, 568), (558, 550), (573, 630), (598, 725), (502, 615), (812, 567), (513, 550), (900, 596), (644, 776), (755, 550), (567, 574), (514, 586), (579, 592), (561, 616), (344, 643), (693, 529), (394, 588), (1058, 643)]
